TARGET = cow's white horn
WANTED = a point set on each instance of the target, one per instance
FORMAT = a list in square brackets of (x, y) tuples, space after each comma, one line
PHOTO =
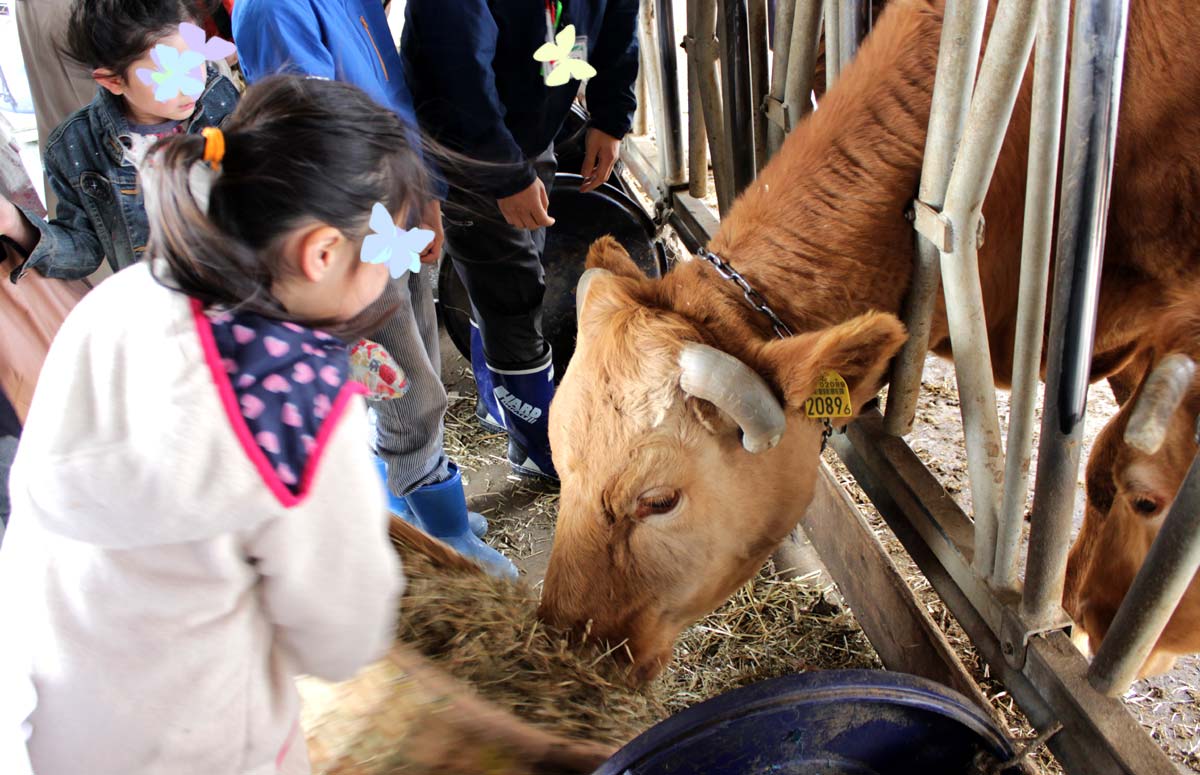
[(734, 388), (1162, 394), (582, 288)]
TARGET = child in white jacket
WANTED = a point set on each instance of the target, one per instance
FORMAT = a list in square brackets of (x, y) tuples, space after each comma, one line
[(196, 516)]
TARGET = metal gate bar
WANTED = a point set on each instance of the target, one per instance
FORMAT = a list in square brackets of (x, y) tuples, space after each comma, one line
[(833, 40), (1099, 736), (733, 22), (958, 59), (1049, 76), (1000, 77), (1097, 61)]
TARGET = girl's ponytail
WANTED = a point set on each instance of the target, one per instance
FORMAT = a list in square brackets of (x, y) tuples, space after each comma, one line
[(295, 151)]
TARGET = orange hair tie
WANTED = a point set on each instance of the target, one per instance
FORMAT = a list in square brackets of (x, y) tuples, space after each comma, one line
[(214, 146)]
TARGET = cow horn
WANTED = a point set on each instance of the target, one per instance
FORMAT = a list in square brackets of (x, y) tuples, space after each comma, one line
[(1162, 394), (735, 389), (582, 288)]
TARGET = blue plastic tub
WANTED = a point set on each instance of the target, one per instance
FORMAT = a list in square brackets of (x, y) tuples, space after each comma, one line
[(837, 722)]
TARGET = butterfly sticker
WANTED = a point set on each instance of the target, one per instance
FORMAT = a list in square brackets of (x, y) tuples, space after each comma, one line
[(212, 50), (399, 248), (559, 53), (176, 72)]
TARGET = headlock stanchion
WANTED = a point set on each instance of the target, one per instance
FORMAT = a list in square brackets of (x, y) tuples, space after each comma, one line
[(1020, 629)]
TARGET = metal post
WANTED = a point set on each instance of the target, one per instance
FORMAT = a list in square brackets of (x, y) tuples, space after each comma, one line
[(781, 46), (735, 84), (702, 55), (833, 38), (802, 62), (1000, 77), (958, 59), (697, 140), (850, 31), (1165, 576), (670, 133), (757, 40), (1097, 62), (1049, 75)]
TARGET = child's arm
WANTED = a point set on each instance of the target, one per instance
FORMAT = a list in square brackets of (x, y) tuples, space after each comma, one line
[(67, 247), (330, 578), (610, 97)]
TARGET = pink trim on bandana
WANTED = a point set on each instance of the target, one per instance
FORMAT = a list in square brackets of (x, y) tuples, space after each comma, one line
[(241, 429)]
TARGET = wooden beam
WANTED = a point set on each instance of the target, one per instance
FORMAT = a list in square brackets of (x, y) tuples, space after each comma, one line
[(901, 630)]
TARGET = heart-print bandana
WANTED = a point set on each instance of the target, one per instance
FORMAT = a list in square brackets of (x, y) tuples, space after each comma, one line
[(286, 378)]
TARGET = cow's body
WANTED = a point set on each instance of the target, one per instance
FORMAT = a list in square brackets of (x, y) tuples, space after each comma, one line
[(822, 234)]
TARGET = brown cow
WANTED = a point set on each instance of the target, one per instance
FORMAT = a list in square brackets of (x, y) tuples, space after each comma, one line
[(674, 490), (1131, 486)]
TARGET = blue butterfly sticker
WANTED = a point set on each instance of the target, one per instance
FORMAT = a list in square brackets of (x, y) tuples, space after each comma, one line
[(175, 72), (399, 248)]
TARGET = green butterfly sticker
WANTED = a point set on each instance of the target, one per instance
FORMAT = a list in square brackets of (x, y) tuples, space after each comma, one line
[(559, 54)]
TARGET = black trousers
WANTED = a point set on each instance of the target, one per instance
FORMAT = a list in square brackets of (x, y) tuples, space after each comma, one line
[(501, 268)]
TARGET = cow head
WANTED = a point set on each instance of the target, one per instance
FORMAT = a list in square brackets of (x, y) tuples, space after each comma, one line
[(683, 465), (1136, 465)]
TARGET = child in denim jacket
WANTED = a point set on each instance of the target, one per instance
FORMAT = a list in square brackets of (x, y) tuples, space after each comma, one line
[(100, 213)]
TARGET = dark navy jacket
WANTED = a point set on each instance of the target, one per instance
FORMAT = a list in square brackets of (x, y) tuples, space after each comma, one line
[(479, 90), (101, 212)]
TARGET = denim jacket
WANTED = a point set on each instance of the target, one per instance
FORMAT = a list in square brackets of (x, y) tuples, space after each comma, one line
[(101, 214)]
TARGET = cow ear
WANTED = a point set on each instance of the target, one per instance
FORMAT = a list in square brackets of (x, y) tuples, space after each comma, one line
[(607, 253), (858, 350)]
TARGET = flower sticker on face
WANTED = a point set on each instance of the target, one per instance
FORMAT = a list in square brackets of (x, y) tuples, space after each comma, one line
[(182, 72), (399, 248), (212, 50), (566, 67), (176, 72)]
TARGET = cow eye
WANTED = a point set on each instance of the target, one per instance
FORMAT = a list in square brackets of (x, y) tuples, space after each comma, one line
[(1146, 506), (660, 500)]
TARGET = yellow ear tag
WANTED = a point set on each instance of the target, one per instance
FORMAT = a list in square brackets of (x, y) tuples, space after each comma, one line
[(830, 399)]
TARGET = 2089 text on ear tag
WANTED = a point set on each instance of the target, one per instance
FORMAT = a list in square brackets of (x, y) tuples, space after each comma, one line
[(830, 399)]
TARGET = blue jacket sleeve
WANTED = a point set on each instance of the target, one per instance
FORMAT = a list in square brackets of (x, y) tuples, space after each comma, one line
[(610, 95), (280, 38), (463, 34), (67, 246)]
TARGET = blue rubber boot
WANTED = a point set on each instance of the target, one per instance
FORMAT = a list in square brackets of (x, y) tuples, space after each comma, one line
[(524, 400), (486, 409), (442, 511), (399, 506)]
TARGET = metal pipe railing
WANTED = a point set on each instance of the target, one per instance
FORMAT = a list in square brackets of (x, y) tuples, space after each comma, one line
[(697, 137), (802, 62), (851, 28), (833, 39), (1165, 576), (1097, 62), (1000, 77), (756, 18), (670, 131), (1049, 77), (702, 54), (733, 24), (781, 49), (958, 60)]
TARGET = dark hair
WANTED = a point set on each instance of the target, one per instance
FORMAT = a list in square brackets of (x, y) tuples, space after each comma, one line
[(113, 34), (297, 150)]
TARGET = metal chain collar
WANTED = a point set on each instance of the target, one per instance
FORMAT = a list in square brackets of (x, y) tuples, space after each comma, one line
[(758, 302)]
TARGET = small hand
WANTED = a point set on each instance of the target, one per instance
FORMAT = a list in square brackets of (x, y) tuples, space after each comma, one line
[(431, 218), (527, 209), (601, 152)]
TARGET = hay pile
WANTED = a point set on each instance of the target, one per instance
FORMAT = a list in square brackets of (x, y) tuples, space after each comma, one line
[(485, 632), (476, 684)]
